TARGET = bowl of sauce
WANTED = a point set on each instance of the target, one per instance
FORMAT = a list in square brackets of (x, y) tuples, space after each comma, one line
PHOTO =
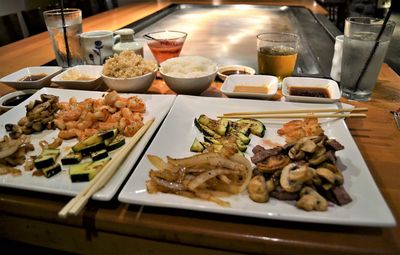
[(307, 89), (34, 77), (250, 86), (12, 99), (225, 71)]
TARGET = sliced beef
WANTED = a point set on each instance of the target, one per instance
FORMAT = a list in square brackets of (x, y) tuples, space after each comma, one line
[(341, 195), (335, 145), (264, 154), (331, 156), (257, 149), (281, 194)]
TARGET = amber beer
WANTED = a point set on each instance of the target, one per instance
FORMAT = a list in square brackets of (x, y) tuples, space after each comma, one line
[(278, 61), (277, 53)]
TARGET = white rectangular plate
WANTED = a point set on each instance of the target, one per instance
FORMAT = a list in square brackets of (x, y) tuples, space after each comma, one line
[(156, 106), (178, 132)]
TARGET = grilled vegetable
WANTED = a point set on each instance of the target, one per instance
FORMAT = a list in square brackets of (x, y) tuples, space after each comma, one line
[(197, 146), (86, 171), (51, 170), (256, 127), (72, 158), (97, 155), (47, 158), (223, 134), (115, 143)]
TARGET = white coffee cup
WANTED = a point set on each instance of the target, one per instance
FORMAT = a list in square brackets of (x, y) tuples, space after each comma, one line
[(96, 46), (337, 58)]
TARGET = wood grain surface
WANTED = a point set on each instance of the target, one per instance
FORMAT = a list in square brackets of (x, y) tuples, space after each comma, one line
[(108, 227)]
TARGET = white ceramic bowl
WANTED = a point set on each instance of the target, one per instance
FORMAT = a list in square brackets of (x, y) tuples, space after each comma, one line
[(309, 83), (188, 82), (8, 101), (92, 71), (13, 79), (139, 84), (254, 84), (225, 71)]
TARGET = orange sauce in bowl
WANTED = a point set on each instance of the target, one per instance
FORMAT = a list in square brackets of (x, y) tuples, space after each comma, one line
[(251, 89)]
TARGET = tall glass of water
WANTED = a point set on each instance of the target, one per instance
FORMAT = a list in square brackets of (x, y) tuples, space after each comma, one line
[(359, 75), (64, 33)]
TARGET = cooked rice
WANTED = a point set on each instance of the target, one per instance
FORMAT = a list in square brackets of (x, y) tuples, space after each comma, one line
[(188, 67), (75, 75), (127, 65)]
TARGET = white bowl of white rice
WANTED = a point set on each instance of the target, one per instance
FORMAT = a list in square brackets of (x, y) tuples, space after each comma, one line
[(189, 74)]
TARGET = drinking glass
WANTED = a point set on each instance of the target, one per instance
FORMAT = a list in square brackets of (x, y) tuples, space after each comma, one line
[(277, 53), (64, 35), (363, 55), (165, 44)]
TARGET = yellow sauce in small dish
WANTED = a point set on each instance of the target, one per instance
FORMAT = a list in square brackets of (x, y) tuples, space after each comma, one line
[(251, 89)]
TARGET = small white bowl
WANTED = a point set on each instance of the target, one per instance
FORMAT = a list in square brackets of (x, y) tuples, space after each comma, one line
[(13, 79), (188, 85), (225, 71), (12, 99), (330, 86), (253, 82), (139, 84), (92, 71)]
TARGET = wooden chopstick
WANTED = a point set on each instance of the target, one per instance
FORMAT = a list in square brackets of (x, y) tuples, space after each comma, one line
[(75, 205), (297, 115), (296, 111)]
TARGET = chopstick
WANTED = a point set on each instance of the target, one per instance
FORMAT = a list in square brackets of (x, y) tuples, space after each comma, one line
[(296, 111), (297, 115), (75, 205)]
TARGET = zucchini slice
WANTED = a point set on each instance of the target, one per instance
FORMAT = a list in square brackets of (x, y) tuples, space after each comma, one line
[(86, 171), (197, 146), (256, 127), (92, 148), (72, 158), (244, 138), (241, 146), (115, 143), (222, 127), (97, 155), (79, 173), (51, 170), (109, 134), (47, 158), (88, 142)]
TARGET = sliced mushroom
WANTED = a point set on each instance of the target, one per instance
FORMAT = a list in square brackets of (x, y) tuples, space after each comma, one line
[(273, 163), (330, 176), (257, 188), (301, 174), (295, 153), (308, 146), (311, 200), (293, 177), (319, 156), (270, 185)]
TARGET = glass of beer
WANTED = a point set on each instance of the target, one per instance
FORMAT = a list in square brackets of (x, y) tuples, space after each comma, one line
[(277, 53)]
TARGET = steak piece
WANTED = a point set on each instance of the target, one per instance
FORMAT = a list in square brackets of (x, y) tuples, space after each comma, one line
[(257, 149), (334, 144), (263, 154), (281, 194), (341, 195)]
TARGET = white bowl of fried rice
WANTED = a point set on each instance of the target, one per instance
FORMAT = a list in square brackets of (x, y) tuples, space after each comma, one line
[(128, 72)]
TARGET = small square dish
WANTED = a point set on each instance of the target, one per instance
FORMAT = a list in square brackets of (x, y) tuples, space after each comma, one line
[(311, 90), (34, 77), (84, 77), (250, 86)]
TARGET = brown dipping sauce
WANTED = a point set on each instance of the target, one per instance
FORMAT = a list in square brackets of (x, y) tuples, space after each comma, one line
[(230, 72), (16, 100), (309, 92), (33, 77)]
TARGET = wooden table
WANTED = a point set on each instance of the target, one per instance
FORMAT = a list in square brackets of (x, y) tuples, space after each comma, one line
[(117, 228)]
